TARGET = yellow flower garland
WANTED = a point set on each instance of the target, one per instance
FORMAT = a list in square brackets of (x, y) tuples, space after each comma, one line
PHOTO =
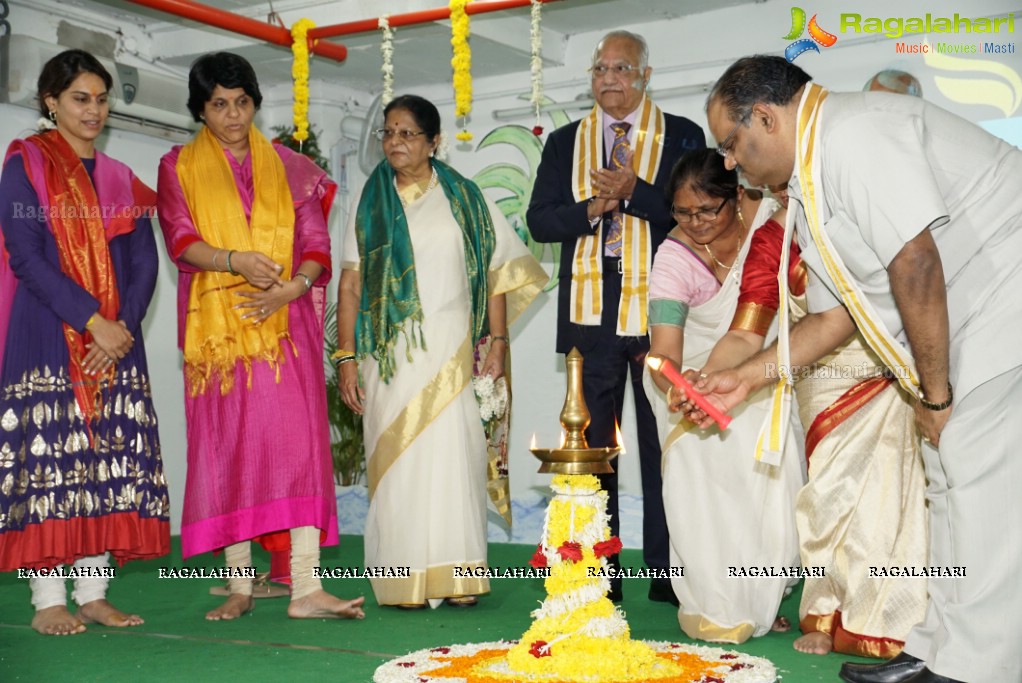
[(461, 61), (300, 74)]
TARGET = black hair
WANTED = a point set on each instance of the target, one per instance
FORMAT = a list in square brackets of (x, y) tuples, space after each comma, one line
[(704, 171), (422, 110), (62, 69), (225, 69), (759, 78)]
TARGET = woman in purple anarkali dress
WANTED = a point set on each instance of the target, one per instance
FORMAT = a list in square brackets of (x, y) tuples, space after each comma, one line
[(81, 476)]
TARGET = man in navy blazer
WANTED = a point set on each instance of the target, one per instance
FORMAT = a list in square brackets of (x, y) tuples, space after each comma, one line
[(599, 191)]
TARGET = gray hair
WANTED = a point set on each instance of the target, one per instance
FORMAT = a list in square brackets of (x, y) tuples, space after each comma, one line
[(895, 81), (639, 41), (759, 78)]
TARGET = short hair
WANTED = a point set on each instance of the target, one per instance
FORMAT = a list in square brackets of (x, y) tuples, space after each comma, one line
[(704, 170), (225, 69), (896, 81), (62, 69), (639, 41), (422, 110), (759, 78)]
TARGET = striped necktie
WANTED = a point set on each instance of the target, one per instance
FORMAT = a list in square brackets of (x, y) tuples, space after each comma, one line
[(618, 158)]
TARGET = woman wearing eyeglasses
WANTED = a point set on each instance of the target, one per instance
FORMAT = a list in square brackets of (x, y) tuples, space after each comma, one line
[(245, 222), (433, 275), (731, 518)]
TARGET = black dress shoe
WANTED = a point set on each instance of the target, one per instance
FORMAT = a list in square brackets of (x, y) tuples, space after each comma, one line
[(927, 676), (897, 670), (660, 590)]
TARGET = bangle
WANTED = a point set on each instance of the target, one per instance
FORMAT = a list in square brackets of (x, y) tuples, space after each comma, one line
[(229, 269), (345, 359), (341, 353), (92, 319), (929, 405), (501, 337), (308, 281), (215, 266)]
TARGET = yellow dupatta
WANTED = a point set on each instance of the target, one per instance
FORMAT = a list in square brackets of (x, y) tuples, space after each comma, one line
[(216, 337), (586, 306)]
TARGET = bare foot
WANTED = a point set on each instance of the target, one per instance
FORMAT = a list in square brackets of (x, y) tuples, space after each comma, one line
[(57, 621), (102, 612), (781, 625), (322, 605), (815, 643), (234, 606)]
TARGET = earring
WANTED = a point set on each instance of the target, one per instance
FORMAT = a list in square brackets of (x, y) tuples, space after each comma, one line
[(53, 115)]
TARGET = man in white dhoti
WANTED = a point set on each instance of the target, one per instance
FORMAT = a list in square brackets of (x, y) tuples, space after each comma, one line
[(910, 221)]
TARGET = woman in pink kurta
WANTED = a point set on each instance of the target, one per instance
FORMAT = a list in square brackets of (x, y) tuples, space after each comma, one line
[(259, 462)]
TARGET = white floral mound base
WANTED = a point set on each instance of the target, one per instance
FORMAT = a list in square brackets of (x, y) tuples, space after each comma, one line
[(488, 663), (577, 634)]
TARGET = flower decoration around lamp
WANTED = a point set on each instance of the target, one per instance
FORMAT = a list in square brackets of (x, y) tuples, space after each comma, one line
[(300, 75), (461, 62)]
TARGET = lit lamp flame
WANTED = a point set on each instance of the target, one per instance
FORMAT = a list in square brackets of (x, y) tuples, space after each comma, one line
[(619, 440), (654, 363), (532, 446)]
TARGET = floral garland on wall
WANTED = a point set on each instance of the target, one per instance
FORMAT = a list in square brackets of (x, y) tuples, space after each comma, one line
[(536, 64), (300, 74), (387, 50), (461, 61)]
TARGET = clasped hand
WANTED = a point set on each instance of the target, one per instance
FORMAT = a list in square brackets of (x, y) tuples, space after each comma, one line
[(615, 183), (111, 341)]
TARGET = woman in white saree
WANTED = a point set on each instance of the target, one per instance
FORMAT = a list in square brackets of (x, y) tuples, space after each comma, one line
[(431, 269), (731, 517)]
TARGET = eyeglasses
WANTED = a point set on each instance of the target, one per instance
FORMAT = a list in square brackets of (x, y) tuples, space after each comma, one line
[(406, 135), (619, 70), (704, 215), (724, 148)]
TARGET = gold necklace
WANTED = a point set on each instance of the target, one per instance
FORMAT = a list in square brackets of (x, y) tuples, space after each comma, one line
[(429, 186), (741, 238)]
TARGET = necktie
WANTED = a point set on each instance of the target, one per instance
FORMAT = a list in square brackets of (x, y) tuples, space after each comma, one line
[(618, 158)]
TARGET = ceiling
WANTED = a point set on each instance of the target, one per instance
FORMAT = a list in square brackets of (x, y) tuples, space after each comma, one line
[(500, 39)]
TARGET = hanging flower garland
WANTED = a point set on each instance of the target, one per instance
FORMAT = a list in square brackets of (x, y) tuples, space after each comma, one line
[(300, 74), (387, 49), (537, 64), (462, 64)]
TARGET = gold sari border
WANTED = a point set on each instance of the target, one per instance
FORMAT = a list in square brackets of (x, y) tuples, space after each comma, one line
[(846, 642), (698, 626), (435, 582), (450, 380), (844, 407), (753, 317), (521, 279)]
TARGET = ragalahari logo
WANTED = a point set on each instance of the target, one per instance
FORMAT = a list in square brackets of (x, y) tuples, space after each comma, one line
[(817, 36)]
